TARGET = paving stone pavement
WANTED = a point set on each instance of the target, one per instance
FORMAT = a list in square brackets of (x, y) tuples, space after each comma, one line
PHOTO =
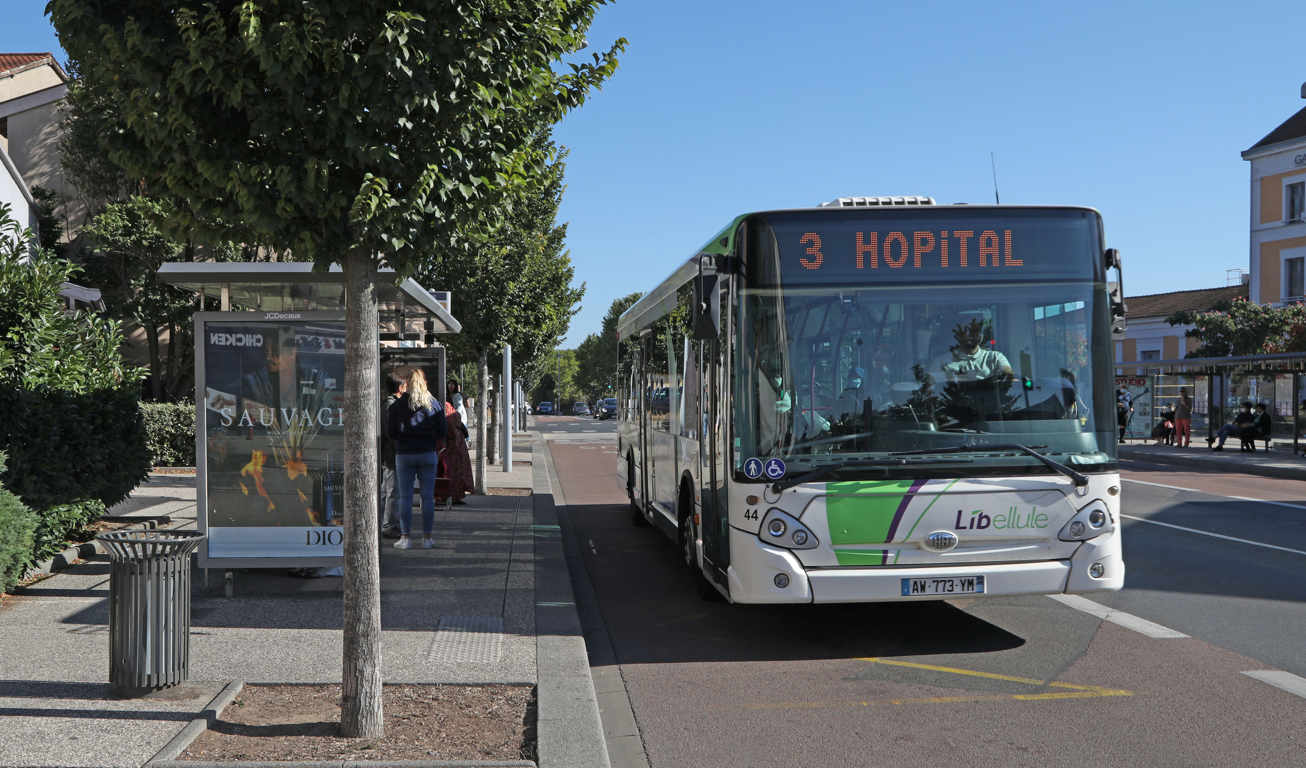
[(463, 612)]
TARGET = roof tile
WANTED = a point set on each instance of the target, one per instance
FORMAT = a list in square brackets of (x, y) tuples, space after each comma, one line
[(10, 61), (1166, 304), (1292, 128)]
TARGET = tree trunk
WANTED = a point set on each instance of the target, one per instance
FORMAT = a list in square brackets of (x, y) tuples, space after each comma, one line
[(172, 360), (360, 705), (483, 378), (156, 372)]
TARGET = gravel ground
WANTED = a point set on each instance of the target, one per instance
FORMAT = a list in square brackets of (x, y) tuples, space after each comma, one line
[(422, 722)]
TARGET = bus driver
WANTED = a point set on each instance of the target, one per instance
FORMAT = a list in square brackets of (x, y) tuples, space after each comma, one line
[(969, 360)]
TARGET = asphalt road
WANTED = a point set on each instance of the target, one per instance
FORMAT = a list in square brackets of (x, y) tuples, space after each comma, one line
[(997, 682)]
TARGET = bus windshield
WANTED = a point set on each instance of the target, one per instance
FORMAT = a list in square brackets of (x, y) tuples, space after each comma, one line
[(866, 334)]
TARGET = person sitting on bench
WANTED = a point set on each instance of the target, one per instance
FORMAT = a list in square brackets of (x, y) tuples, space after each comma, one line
[(1243, 420), (1258, 430)]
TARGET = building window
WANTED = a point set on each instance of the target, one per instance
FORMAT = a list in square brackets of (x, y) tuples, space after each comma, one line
[(1150, 354), (1296, 201), (1295, 270)]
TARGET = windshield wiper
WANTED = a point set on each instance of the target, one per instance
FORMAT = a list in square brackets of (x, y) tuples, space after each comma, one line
[(781, 486), (1079, 479)]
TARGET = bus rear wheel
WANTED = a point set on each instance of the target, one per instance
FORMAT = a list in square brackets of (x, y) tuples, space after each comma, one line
[(636, 514)]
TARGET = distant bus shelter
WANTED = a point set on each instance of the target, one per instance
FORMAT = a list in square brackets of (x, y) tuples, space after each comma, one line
[(269, 397), (1218, 386)]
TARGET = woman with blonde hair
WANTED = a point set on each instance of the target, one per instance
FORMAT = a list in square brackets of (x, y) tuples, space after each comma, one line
[(416, 423)]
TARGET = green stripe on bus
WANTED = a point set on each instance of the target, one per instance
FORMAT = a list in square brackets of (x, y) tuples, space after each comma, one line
[(863, 511), (861, 556)]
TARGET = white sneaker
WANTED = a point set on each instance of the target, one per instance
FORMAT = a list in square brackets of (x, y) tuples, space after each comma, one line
[(428, 544), (404, 543)]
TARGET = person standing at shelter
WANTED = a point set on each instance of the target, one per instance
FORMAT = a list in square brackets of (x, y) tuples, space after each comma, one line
[(1183, 419), (455, 458), (395, 386), (1124, 407), (455, 397), (416, 423)]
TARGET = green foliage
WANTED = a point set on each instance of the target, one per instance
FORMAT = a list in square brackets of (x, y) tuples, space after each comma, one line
[(66, 446), (42, 344), (171, 429), (49, 222), (61, 524), (17, 536), (557, 382), (515, 286), (128, 249), (69, 411), (1242, 327), (597, 354), (326, 128)]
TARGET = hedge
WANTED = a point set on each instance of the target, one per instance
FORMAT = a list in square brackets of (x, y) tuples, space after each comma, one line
[(171, 428), (71, 455), (17, 534)]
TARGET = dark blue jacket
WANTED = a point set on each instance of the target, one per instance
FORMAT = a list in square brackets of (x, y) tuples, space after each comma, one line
[(415, 431)]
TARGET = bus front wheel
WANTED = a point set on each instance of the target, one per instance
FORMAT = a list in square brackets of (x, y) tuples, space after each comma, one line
[(687, 549)]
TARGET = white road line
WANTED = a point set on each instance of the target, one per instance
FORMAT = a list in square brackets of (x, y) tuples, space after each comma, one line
[(1214, 535), (1284, 681), (1209, 493), (1126, 620)]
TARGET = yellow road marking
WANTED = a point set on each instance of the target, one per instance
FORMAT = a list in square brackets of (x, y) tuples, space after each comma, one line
[(1008, 678), (1075, 692)]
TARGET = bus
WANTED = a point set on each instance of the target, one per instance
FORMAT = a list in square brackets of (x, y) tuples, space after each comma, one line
[(881, 399)]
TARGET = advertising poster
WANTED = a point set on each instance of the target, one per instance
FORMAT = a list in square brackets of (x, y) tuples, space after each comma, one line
[(1140, 423), (273, 438)]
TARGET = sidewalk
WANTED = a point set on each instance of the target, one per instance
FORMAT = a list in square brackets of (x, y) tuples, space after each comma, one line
[(1278, 462), (490, 604)]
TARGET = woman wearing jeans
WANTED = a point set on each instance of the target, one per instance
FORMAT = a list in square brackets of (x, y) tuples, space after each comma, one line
[(417, 426)]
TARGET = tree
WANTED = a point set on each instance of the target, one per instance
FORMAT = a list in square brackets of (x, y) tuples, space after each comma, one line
[(1242, 327), (597, 354), (350, 133), (511, 288)]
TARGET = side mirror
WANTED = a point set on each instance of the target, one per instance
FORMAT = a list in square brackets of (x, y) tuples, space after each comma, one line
[(1116, 292), (707, 307)]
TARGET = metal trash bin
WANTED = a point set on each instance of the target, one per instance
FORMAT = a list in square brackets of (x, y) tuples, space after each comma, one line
[(149, 608)]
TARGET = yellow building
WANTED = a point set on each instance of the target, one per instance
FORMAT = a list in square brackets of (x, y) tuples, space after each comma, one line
[(1278, 212)]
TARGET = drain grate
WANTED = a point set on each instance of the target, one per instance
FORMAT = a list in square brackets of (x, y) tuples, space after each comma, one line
[(467, 640)]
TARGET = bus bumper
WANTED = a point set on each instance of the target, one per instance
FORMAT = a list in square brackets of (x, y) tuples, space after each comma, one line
[(762, 563)]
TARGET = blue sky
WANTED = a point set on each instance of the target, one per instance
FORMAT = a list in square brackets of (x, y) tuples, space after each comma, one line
[(1137, 109)]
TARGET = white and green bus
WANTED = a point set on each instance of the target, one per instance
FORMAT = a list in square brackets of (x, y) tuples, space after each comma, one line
[(881, 399)]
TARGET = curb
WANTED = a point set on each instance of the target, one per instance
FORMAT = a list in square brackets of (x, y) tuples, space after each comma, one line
[(88, 549), (1216, 464), (167, 757), (569, 728), (195, 727)]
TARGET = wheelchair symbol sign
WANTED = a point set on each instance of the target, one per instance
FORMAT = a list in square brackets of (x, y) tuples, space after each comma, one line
[(753, 469), (775, 469)]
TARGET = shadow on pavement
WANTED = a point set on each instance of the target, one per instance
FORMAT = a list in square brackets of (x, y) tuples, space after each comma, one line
[(653, 615)]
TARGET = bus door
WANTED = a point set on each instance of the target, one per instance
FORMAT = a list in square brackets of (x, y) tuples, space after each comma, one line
[(643, 436), (714, 527)]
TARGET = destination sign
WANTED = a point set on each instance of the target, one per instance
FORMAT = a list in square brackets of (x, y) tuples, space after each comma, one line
[(816, 249)]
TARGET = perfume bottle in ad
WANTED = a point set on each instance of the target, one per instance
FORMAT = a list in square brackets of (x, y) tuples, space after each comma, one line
[(333, 489)]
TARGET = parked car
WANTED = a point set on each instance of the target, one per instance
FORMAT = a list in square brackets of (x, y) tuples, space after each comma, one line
[(580, 409), (607, 409), (544, 409)]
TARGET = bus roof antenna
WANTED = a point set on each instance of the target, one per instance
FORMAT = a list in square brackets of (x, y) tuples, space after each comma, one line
[(997, 200)]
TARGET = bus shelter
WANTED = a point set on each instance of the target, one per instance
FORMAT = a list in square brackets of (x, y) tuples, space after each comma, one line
[(269, 396), (1218, 386)]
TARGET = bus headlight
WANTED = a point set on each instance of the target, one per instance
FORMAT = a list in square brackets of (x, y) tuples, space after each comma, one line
[(1091, 521), (782, 529)]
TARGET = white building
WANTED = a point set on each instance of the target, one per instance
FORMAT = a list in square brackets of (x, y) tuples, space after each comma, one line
[(1278, 212), (1148, 335), (14, 193)]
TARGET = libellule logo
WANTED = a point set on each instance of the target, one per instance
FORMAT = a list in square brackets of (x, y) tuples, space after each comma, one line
[(1012, 519)]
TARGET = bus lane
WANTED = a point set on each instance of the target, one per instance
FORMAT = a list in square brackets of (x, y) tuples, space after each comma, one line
[(1010, 681)]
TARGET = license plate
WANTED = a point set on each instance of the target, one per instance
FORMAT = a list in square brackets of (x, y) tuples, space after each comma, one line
[(957, 585)]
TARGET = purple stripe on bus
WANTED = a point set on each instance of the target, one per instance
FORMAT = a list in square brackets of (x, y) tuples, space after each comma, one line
[(916, 485)]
